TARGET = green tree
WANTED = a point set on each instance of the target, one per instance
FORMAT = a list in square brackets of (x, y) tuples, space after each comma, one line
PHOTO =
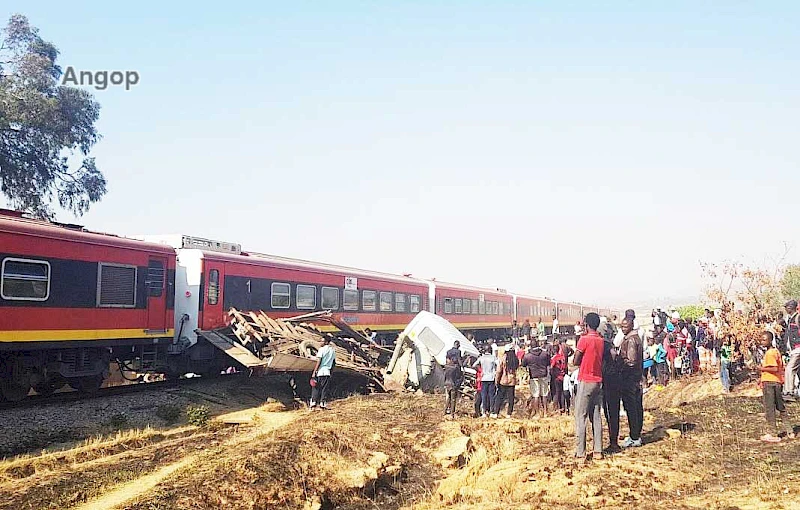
[(46, 129), (790, 282), (691, 312)]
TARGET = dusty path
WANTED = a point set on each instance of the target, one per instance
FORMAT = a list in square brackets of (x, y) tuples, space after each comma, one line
[(263, 423)]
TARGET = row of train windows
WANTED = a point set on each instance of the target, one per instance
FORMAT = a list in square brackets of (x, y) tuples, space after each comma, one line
[(473, 306), (305, 298), (29, 280)]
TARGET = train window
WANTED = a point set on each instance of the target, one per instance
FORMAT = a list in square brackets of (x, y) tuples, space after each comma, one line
[(474, 306), (466, 306), (280, 295), (482, 307), (155, 278), (350, 300), (25, 280), (413, 303), (399, 302), (496, 308), (330, 298), (448, 305), (459, 306), (213, 287), (386, 301), (116, 286), (306, 297), (368, 298)]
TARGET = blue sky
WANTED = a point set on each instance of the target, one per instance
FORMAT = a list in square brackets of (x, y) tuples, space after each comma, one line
[(554, 148)]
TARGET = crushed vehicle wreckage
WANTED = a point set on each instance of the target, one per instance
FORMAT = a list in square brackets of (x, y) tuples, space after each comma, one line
[(262, 345)]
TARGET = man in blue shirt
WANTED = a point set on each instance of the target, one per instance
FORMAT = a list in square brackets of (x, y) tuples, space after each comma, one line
[(326, 360)]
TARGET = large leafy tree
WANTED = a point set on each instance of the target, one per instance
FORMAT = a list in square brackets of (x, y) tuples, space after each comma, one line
[(46, 129), (790, 282)]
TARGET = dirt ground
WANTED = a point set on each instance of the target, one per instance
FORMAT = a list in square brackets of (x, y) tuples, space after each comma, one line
[(397, 452)]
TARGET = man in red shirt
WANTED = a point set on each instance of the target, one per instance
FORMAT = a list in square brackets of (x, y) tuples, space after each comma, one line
[(589, 396)]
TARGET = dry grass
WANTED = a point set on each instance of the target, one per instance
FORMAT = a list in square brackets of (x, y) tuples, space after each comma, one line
[(366, 449), (380, 451)]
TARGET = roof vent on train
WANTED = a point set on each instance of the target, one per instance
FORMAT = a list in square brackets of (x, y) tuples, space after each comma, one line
[(198, 243)]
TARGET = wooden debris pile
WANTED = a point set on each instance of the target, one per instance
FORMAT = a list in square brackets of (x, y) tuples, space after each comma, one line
[(290, 345)]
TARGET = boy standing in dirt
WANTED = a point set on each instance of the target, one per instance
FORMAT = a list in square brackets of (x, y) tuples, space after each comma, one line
[(772, 373), (326, 359)]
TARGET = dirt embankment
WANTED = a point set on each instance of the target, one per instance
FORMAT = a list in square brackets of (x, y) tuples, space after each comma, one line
[(397, 451)]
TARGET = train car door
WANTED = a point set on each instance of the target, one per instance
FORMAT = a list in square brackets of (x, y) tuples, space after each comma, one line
[(156, 294), (213, 276)]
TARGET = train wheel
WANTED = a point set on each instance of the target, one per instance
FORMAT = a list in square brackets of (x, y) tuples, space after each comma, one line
[(89, 384), (50, 385), (15, 381), (14, 391)]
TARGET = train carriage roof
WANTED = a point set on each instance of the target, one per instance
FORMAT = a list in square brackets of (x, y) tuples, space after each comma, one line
[(13, 222)]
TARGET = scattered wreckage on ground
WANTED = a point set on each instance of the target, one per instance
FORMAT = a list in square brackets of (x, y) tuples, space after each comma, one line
[(263, 345)]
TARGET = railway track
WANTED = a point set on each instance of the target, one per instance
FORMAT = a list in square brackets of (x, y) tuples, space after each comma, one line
[(66, 396)]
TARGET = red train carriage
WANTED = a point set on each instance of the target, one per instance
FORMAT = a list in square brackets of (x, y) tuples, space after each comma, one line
[(568, 315), (71, 301), (487, 312), (209, 283), (534, 309)]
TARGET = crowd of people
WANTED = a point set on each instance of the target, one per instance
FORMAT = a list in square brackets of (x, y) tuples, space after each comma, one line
[(611, 367), (615, 362)]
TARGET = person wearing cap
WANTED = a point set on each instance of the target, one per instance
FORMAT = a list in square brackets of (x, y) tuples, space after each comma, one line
[(792, 341)]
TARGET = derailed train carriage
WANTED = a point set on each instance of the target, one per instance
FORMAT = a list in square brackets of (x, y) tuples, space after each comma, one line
[(74, 301)]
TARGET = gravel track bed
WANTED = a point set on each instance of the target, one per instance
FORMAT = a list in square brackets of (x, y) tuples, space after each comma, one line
[(61, 424)]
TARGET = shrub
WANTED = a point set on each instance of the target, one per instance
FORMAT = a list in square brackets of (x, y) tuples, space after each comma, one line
[(197, 415), (169, 413)]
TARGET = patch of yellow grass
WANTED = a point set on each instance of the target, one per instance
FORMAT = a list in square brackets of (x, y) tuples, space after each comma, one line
[(93, 448)]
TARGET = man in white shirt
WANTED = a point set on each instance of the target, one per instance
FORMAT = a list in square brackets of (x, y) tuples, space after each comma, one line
[(555, 327), (326, 360)]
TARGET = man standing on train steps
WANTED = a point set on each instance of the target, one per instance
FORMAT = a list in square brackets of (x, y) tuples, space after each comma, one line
[(326, 360)]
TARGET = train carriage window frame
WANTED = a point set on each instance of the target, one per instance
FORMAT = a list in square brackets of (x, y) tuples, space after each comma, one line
[(350, 300), (466, 307), (481, 307), (20, 277), (448, 305), (374, 298), (399, 302), (459, 306), (307, 304), (414, 303), (101, 287), (474, 306), (287, 295), (386, 302), (213, 287), (328, 290)]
